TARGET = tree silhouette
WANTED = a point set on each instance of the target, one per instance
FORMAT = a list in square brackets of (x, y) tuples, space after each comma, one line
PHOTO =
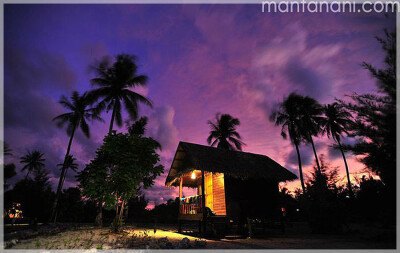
[(325, 210), (69, 164), (115, 81), (138, 127), (77, 116), (35, 195), (310, 121), (288, 116), (122, 164), (223, 132), (375, 125), (33, 161), (9, 169), (336, 123), (375, 117), (6, 149)]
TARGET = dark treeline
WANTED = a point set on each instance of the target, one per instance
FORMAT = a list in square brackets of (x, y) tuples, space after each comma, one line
[(368, 118)]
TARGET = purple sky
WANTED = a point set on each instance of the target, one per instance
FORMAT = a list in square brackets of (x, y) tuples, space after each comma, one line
[(200, 59)]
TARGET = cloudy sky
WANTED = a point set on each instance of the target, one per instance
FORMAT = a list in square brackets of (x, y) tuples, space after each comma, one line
[(200, 59)]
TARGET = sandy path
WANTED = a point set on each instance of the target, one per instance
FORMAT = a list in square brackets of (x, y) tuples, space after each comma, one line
[(141, 238)]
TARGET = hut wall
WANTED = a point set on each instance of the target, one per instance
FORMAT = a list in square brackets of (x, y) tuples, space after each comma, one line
[(251, 198), (219, 194)]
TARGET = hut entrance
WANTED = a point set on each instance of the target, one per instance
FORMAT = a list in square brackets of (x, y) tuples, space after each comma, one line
[(208, 181), (214, 187)]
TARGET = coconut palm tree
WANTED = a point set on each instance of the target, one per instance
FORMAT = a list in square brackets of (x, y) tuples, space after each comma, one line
[(310, 121), (288, 115), (6, 149), (76, 118), (10, 168), (33, 161), (336, 123), (223, 131), (114, 82), (69, 164)]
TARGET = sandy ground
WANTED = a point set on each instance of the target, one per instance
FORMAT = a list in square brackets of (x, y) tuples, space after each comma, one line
[(141, 238)]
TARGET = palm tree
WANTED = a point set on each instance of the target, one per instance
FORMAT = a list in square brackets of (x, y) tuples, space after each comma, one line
[(138, 127), (335, 124), (9, 169), (69, 164), (33, 161), (223, 131), (115, 82), (6, 149), (75, 118), (310, 121), (288, 115)]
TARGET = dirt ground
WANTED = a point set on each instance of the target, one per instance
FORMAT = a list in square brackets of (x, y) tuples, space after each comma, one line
[(168, 238)]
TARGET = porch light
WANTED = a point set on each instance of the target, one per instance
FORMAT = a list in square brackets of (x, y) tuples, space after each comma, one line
[(193, 176)]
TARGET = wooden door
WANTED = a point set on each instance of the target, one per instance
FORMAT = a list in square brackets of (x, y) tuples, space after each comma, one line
[(219, 206), (209, 190)]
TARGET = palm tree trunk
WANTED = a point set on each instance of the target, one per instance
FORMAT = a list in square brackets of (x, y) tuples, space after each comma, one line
[(300, 169), (347, 168), (121, 211), (62, 177), (112, 119), (99, 215), (27, 174), (315, 154)]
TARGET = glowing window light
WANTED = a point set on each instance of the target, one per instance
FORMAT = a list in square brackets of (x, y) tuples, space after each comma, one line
[(193, 176)]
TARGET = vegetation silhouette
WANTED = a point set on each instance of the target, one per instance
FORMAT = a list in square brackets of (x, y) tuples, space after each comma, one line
[(325, 211), (69, 164), (122, 164), (76, 118), (336, 122), (10, 168), (375, 124), (33, 161), (34, 195), (310, 121), (375, 117), (138, 127), (6, 149), (114, 82), (287, 114), (223, 132)]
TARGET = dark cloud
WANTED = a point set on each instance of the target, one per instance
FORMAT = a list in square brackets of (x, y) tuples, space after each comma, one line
[(333, 153), (306, 80), (31, 76), (94, 51), (162, 128), (34, 69)]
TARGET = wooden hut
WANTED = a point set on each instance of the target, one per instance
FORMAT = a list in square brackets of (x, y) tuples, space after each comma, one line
[(231, 185)]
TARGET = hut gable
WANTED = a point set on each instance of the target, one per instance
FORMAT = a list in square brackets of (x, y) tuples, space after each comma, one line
[(238, 164)]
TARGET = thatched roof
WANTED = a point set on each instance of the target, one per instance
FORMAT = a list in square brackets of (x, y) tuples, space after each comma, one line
[(191, 156)]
